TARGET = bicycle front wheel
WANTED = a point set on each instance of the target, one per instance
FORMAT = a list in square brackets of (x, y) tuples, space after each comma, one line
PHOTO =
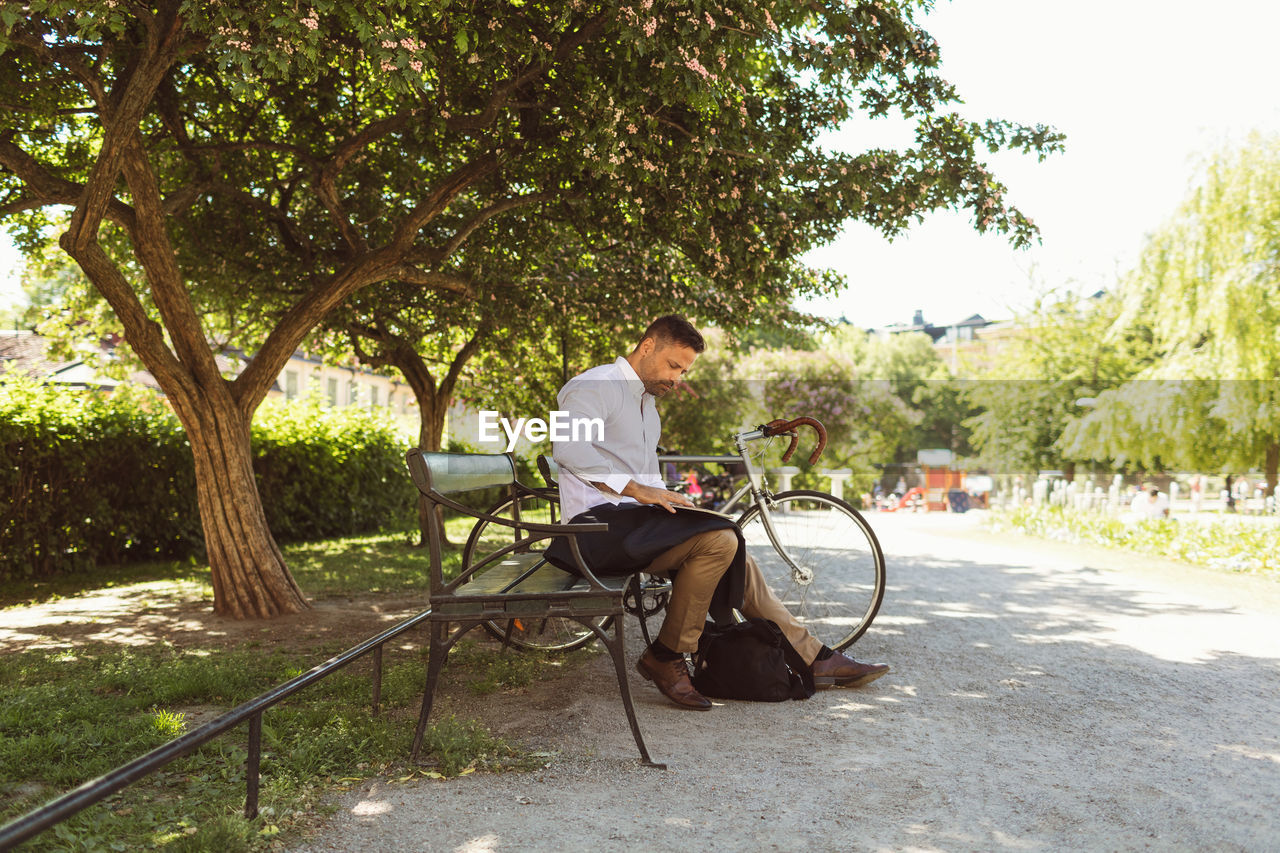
[(837, 582), (554, 633)]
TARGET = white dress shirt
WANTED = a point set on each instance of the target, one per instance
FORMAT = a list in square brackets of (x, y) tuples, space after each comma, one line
[(628, 450)]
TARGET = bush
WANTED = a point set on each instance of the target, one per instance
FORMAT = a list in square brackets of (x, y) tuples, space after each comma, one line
[(91, 478), (95, 479), (1231, 543), (330, 472)]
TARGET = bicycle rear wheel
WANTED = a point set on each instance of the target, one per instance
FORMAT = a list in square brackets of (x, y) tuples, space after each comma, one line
[(841, 580), (553, 634)]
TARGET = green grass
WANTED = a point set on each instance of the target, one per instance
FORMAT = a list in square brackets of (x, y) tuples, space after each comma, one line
[(1231, 544), (384, 563), (71, 715), (68, 715)]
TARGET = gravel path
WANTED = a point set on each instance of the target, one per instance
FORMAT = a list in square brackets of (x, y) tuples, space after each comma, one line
[(1043, 697)]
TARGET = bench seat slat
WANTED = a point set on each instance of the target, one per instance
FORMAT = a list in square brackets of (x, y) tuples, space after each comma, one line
[(501, 579)]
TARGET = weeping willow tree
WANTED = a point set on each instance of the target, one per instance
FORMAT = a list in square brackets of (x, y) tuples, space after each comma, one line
[(1207, 285)]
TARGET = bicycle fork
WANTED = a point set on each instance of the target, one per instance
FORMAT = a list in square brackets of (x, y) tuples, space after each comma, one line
[(764, 499)]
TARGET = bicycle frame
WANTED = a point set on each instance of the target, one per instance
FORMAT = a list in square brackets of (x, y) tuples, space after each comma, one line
[(758, 489)]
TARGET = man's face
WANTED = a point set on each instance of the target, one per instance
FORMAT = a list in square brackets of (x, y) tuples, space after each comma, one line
[(661, 366)]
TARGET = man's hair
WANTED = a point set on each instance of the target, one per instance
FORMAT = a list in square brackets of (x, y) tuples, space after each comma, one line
[(674, 329)]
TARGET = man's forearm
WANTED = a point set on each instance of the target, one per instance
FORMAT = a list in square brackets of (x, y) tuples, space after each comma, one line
[(605, 488)]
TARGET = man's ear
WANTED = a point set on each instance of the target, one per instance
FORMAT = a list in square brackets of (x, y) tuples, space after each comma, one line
[(646, 347)]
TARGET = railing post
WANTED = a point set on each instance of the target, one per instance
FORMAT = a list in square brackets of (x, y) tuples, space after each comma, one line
[(251, 767), (377, 679)]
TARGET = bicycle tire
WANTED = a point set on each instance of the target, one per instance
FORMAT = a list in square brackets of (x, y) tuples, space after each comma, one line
[(553, 634), (831, 539)]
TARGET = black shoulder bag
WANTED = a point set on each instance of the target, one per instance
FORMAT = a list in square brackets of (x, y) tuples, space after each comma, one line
[(750, 660)]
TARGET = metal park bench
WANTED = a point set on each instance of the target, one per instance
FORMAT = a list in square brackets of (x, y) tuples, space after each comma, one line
[(510, 583)]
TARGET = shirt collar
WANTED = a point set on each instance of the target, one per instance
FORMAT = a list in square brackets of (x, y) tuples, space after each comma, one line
[(634, 384)]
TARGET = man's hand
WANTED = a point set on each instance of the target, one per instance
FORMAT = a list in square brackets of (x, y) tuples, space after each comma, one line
[(658, 497)]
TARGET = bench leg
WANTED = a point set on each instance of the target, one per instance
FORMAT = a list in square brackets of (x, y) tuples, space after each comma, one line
[(438, 651), (617, 648)]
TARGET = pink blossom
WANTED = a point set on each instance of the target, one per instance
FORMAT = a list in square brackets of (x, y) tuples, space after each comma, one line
[(415, 65), (311, 22), (696, 66)]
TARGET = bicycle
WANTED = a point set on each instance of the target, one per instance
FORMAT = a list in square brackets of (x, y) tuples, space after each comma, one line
[(818, 553)]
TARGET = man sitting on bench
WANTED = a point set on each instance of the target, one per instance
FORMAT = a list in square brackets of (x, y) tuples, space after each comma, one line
[(614, 478)]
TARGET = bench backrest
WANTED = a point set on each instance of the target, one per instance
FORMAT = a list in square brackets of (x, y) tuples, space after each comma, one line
[(450, 473)]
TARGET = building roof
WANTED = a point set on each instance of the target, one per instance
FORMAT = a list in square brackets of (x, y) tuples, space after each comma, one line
[(25, 352)]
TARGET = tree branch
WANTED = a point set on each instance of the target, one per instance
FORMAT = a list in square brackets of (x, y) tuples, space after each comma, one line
[(441, 198), (482, 216), (326, 181), (121, 124), (49, 189), (66, 57), (432, 278), (154, 250), (502, 95), (464, 355), (289, 230)]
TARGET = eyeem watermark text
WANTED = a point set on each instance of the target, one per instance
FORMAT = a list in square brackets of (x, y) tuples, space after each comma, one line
[(560, 427)]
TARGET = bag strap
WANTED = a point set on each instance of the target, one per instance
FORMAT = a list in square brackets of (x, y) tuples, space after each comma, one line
[(806, 688)]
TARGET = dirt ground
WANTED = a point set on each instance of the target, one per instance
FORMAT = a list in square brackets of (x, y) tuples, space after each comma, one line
[(1044, 696)]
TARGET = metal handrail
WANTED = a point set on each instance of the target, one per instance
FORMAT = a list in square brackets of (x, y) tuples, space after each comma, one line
[(95, 790)]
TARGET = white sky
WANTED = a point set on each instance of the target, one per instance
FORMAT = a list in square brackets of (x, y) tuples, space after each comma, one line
[(1140, 87)]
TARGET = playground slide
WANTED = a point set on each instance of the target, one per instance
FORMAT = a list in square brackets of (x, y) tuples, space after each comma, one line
[(905, 500)]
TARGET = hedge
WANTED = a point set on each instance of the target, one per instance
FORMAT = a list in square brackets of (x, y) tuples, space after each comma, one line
[(93, 479)]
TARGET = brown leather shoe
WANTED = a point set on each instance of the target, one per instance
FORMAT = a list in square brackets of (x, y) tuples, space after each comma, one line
[(672, 678), (843, 671)]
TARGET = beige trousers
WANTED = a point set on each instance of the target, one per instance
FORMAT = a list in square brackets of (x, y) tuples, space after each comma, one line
[(698, 563)]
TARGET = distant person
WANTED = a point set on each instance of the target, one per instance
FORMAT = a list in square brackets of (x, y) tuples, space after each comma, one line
[(1152, 503), (1197, 493), (1242, 493)]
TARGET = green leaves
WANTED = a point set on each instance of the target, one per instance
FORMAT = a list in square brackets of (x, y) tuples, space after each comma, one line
[(102, 479)]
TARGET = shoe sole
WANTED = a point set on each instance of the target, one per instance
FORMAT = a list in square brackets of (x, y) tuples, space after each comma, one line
[(827, 682), (647, 677)]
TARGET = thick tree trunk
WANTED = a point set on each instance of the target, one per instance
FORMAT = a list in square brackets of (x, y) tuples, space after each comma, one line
[(250, 578), (431, 415), (432, 408)]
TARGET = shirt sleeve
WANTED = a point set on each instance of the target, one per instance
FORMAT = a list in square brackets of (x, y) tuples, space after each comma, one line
[(582, 458)]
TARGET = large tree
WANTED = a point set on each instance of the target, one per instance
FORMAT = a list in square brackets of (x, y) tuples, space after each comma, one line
[(1207, 289), (266, 161), (1045, 380)]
